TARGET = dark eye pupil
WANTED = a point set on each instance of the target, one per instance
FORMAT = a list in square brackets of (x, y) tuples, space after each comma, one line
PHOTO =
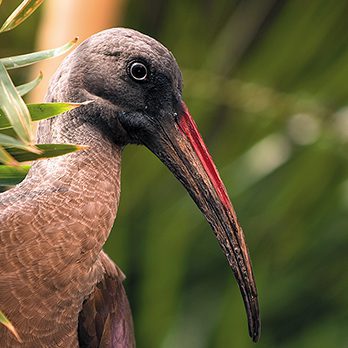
[(138, 71)]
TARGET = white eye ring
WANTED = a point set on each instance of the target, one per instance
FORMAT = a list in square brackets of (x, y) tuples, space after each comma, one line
[(138, 71)]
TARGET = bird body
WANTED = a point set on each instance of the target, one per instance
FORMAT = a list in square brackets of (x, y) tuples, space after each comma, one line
[(57, 286), (53, 228)]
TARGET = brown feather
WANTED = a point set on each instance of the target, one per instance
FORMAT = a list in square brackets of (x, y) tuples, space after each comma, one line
[(52, 230), (105, 319)]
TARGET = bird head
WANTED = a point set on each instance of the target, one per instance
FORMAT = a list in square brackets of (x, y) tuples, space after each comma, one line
[(136, 86)]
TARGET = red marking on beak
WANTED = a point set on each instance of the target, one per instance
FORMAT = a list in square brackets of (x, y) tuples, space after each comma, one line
[(189, 128)]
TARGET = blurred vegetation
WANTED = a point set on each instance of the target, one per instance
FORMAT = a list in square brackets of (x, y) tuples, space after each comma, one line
[(266, 83), (16, 117)]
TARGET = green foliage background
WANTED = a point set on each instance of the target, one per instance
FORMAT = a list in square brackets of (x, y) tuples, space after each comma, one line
[(267, 84)]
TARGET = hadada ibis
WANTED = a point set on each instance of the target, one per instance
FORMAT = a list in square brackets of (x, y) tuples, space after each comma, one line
[(57, 286)]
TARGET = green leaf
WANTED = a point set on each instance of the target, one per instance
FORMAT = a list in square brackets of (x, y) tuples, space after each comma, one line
[(27, 87), (30, 58), (6, 158), (10, 176), (4, 321), (9, 131), (14, 107), (20, 14), (47, 150), (8, 141), (42, 111)]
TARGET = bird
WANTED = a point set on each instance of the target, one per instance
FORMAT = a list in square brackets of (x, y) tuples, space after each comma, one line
[(57, 285)]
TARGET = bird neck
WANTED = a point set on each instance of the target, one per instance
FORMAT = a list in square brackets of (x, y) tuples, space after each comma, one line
[(83, 187)]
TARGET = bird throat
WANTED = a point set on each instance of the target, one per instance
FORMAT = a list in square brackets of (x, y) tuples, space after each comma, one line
[(83, 186)]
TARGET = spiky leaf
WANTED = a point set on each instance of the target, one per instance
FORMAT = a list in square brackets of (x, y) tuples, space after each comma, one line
[(6, 158), (27, 87), (10, 175), (4, 321), (14, 107), (41, 111), (20, 14), (8, 141), (47, 150), (30, 58)]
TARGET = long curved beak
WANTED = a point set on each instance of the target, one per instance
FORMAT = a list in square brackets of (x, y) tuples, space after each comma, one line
[(183, 151)]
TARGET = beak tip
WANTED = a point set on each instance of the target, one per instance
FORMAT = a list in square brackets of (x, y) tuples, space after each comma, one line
[(255, 335), (255, 322)]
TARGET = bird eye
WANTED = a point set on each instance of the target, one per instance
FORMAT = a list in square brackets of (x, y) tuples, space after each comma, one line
[(138, 71)]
